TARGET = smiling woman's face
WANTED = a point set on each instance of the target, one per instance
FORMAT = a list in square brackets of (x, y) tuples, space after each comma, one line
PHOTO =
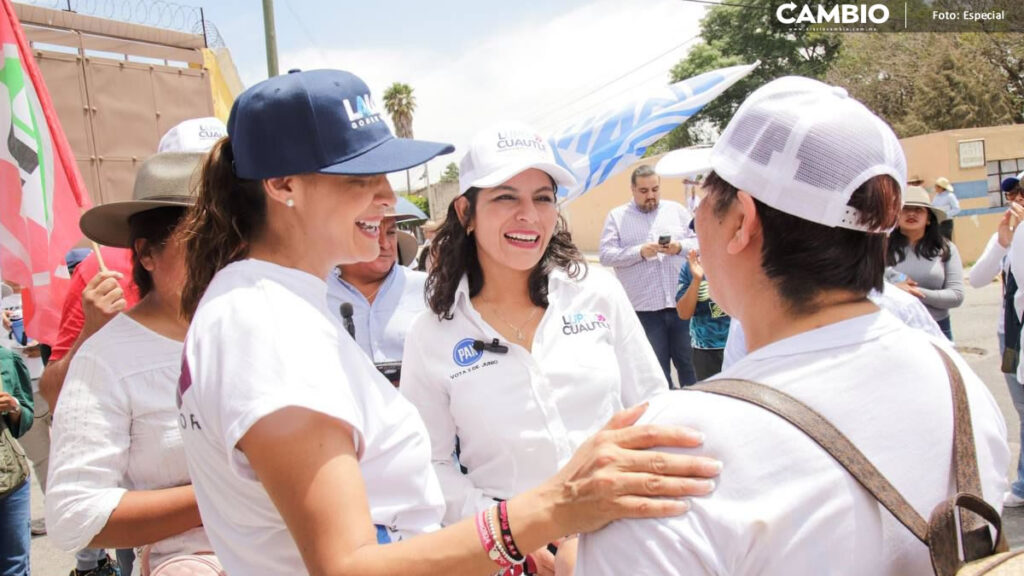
[(513, 222)]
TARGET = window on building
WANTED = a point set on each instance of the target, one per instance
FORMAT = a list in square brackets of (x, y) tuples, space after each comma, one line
[(997, 171)]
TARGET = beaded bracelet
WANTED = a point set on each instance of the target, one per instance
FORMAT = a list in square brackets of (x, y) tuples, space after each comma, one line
[(506, 534), (492, 522), (487, 540)]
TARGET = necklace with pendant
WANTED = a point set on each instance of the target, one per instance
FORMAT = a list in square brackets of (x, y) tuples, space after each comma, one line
[(517, 329)]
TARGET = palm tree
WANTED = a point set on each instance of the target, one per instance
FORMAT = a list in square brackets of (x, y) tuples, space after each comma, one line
[(400, 104)]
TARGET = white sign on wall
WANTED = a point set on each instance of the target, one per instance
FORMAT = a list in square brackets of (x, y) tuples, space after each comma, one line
[(972, 153)]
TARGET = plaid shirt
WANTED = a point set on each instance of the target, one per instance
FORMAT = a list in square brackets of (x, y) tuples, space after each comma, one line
[(650, 284)]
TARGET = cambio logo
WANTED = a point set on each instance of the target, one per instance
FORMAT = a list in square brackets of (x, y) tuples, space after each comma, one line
[(838, 14)]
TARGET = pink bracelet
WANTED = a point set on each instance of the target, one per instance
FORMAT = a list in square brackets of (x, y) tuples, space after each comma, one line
[(506, 534), (487, 540)]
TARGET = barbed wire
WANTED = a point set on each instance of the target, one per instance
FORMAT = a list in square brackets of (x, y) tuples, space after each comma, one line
[(155, 13)]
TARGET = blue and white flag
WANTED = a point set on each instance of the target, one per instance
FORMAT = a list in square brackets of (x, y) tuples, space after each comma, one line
[(603, 145)]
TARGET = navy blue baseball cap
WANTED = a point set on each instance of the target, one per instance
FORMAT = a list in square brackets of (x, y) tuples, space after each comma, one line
[(318, 121), (1011, 182)]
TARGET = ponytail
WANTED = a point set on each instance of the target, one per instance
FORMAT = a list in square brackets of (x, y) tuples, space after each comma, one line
[(228, 214)]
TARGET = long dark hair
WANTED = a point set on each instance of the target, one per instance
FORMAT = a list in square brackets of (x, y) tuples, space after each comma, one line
[(803, 258), (453, 252), (229, 213), (155, 227), (931, 246)]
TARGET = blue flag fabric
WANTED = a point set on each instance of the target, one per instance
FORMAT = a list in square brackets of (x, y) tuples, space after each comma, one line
[(603, 145)]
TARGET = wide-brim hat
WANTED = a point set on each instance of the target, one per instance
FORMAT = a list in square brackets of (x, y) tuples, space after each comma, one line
[(944, 184), (918, 196), (407, 248), (168, 179)]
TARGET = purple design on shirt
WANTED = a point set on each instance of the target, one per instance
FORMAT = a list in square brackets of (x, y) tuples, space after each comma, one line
[(184, 380)]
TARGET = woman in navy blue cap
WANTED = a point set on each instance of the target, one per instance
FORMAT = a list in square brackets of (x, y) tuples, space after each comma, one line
[(298, 448)]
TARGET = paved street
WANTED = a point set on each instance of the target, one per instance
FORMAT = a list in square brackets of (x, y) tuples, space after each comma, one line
[(974, 328)]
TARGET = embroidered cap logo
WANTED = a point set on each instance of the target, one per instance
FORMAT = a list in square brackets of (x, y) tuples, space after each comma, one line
[(365, 113)]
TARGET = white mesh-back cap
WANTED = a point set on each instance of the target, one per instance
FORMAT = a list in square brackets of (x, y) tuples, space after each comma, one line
[(803, 147)]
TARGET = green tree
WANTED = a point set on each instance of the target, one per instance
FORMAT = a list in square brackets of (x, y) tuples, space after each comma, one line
[(922, 83), (451, 173), (421, 202), (732, 35), (400, 104)]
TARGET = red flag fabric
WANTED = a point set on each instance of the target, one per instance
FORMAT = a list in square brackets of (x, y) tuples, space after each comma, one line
[(41, 191)]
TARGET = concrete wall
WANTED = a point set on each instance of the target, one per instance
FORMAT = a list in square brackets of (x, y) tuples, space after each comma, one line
[(928, 156)]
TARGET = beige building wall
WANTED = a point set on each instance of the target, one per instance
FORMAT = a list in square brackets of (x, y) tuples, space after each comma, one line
[(929, 157), (586, 214)]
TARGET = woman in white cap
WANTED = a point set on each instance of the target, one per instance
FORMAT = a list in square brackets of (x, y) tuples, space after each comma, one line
[(303, 457), (805, 187), (519, 328), (118, 477), (929, 264)]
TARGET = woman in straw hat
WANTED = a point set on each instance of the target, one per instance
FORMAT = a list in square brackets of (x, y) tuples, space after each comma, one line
[(304, 458), (929, 262), (118, 477)]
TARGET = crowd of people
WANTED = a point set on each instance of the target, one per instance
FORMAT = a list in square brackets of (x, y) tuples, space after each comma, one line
[(251, 372)]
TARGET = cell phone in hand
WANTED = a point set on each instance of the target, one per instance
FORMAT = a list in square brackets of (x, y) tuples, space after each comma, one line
[(664, 239)]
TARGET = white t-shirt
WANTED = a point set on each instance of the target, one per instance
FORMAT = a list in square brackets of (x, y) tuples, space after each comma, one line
[(521, 415), (782, 504), (116, 429), (262, 340)]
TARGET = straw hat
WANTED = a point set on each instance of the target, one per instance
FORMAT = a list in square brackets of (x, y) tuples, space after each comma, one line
[(943, 183), (407, 247), (168, 179), (917, 196)]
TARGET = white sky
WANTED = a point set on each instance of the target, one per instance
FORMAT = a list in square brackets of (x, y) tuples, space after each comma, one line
[(474, 62)]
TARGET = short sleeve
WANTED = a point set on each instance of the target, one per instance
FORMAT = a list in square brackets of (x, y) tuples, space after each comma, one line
[(89, 441), (263, 372), (685, 278)]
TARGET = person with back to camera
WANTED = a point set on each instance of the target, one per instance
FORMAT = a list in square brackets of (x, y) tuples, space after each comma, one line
[(805, 186), (303, 457), (118, 477), (517, 321), (930, 263)]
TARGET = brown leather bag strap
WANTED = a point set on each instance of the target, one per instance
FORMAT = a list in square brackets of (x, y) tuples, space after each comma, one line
[(965, 455), (828, 437)]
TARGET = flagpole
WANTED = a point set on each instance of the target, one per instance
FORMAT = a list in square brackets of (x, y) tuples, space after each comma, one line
[(271, 37)]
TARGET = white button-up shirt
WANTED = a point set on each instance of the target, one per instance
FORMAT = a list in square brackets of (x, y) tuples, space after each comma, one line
[(948, 202), (381, 327), (520, 416), (650, 284)]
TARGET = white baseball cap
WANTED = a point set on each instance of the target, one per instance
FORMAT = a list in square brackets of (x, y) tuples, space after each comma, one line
[(684, 163), (195, 135), (803, 147), (504, 150)]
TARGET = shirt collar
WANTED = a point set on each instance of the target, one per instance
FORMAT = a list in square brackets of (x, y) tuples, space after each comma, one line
[(384, 287), (836, 335)]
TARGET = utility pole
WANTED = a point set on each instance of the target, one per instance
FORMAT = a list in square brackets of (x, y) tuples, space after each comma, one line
[(268, 27)]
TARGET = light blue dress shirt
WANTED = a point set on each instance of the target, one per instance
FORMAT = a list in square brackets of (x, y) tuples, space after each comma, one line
[(381, 327)]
